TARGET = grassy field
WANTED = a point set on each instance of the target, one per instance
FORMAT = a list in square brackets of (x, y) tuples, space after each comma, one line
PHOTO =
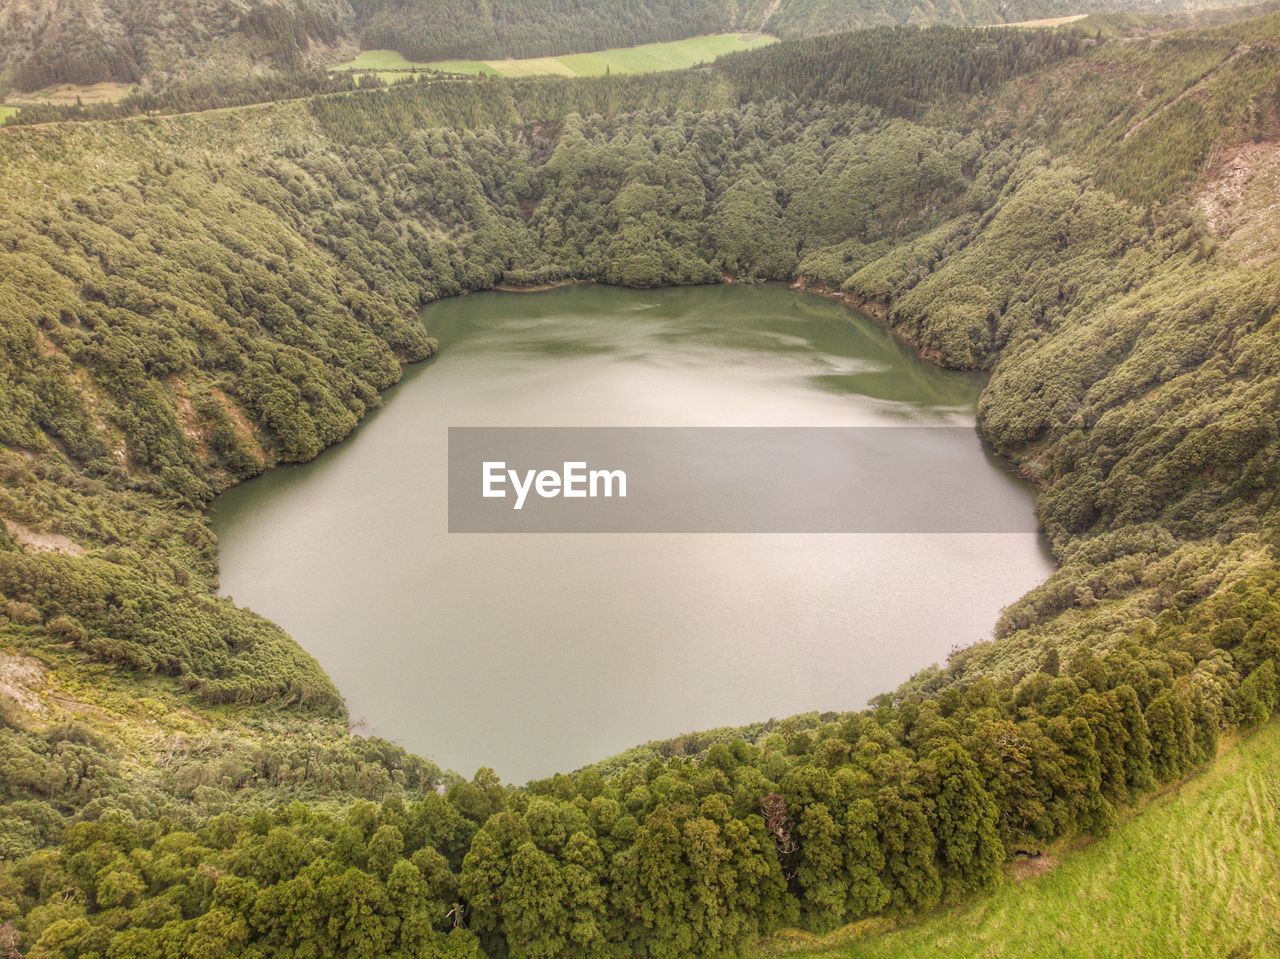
[(370, 60), (67, 94), (647, 58), (6, 111), (531, 67), (1047, 22), (1195, 874)]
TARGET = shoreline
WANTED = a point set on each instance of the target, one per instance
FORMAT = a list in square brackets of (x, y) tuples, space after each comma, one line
[(879, 310), (532, 288), (799, 285)]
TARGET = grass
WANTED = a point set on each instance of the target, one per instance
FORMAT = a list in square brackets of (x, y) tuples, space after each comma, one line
[(1047, 22), (462, 66), (653, 57), (392, 76), (66, 94), (646, 58), (1195, 874), (531, 67), (7, 111), (378, 60)]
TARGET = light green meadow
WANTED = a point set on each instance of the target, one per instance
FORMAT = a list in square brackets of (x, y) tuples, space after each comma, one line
[(1195, 873), (646, 58)]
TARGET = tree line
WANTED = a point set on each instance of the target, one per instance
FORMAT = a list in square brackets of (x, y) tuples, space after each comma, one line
[(816, 821)]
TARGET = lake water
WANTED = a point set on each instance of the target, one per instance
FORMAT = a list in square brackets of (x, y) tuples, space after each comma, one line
[(540, 653)]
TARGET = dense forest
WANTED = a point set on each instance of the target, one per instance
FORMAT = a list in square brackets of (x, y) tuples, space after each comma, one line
[(446, 29), (189, 300), (793, 19), (200, 94), (47, 42), (65, 41)]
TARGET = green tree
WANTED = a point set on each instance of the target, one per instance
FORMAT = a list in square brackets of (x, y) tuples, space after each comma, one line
[(967, 821), (864, 861), (1256, 698), (821, 873), (1137, 746), (534, 916), (910, 849)]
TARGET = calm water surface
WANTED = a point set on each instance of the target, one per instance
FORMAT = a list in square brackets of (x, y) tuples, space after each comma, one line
[(540, 653)]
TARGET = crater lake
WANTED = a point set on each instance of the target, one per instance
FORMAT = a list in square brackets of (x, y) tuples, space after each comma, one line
[(534, 654)]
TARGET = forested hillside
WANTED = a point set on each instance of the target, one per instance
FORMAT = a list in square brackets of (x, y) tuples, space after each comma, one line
[(444, 29), (188, 300), (47, 42), (807, 18), (448, 29), (1113, 897), (44, 42)]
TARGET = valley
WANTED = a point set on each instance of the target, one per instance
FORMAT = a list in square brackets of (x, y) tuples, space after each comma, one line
[(561, 627), (1069, 226), (645, 58)]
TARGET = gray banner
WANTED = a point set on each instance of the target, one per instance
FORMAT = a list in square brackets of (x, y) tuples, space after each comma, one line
[(729, 480)]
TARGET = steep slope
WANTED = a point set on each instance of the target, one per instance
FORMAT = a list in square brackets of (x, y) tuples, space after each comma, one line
[(428, 30), (806, 18), (46, 42), (1207, 852)]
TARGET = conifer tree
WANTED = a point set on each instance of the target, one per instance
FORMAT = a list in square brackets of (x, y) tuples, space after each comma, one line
[(821, 873), (864, 861), (967, 821), (910, 849), (1137, 748)]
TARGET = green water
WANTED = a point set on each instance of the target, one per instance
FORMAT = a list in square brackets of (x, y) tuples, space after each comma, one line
[(533, 654)]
